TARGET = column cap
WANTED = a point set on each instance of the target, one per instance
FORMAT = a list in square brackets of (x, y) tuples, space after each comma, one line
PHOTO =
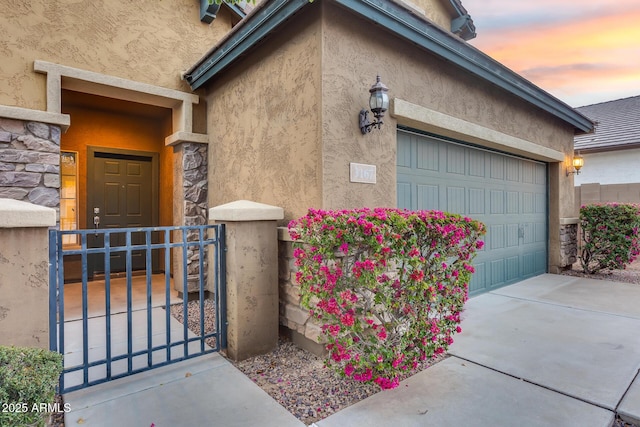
[(19, 214), (246, 210)]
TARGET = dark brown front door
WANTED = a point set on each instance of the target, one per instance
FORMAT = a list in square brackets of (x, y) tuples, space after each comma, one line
[(120, 194)]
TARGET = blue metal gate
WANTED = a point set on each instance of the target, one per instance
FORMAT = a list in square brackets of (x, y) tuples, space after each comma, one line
[(118, 326)]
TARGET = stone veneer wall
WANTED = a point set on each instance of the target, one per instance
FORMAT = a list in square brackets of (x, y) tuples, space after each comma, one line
[(30, 162), (568, 244), (195, 186), (292, 315)]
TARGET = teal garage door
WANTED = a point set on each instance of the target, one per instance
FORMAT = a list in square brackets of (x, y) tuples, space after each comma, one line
[(508, 194)]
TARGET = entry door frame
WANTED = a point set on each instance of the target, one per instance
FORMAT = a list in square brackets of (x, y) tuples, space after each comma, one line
[(92, 150)]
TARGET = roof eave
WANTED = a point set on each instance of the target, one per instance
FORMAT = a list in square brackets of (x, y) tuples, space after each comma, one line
[(395, 18), (266, 17)]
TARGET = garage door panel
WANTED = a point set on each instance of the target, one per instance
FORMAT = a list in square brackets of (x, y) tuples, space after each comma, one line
[(479, 280), (512, 169), (428, 157), (528, 173), (476, 201), (456, 200), (508, 194), (456, 160), (498, 276), (496, 236), (497, 202), (405, 153), (540, 203), (513, 268), (404, 194), (528, 264), (513, 239), (540, 233), (528, 203), (540, 261), (513, 202), (541, 175), (477, 164), (428, 197), (497, 167)]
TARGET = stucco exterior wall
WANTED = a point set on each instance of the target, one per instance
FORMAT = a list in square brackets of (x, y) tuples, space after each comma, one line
[(434, 10), (610, 167), (351, 60), (265, 123), (144, 40)]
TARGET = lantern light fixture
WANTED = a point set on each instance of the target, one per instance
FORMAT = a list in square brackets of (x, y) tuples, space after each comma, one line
[(577, 163), (378, 103)]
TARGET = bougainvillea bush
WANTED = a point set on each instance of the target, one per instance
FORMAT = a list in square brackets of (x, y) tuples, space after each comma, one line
[(609, 236), (387, 285)]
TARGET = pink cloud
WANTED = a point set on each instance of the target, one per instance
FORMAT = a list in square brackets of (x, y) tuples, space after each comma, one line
[(574, 55)]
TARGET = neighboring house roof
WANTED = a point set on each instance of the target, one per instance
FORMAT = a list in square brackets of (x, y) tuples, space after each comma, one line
[(399, 20), (617, 125)]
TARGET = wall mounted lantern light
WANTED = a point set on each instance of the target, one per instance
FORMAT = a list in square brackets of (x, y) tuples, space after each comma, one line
[(379, 103), (577, 163)]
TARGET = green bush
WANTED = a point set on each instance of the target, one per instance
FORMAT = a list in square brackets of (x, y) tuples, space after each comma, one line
[(28, 377), (609, 236)]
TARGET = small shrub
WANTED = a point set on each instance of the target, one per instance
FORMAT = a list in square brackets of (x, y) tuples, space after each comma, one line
[(28, 377), (609, 236), (387, 285)]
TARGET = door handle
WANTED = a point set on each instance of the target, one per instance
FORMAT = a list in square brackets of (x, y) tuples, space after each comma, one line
[(521, 232)]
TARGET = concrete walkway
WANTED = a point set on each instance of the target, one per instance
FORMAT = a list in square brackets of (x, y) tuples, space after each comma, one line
[(548, 351)]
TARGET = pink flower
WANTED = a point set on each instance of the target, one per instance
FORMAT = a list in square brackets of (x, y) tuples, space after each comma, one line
[(347, 319), (348, 369), (344, 248), (382, 334)]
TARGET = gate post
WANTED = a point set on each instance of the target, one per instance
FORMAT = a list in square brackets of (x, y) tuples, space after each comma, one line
[(24, 273), (252, 276)]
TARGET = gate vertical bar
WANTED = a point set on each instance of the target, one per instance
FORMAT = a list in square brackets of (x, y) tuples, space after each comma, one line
[(53, 290), (107, 298), (85, 315), (167, 289), (201, 238), (185, 292), (60, 299), (129, 270), (148, 272), (221, 284)]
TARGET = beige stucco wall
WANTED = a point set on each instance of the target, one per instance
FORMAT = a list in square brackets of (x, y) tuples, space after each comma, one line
[(351, 59), (435, 10), (265, 123), (144, 40)]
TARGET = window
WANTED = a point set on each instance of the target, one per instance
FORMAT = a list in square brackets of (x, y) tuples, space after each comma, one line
[(69, 195)]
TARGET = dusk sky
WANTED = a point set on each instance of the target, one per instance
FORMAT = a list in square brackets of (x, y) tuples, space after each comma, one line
[(581, 51)]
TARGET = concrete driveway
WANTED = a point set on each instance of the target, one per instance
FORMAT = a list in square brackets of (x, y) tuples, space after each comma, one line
[(549, 351)]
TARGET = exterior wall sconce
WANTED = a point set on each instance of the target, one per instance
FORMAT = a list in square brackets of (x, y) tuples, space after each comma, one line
[(577, 163), (379, 103)]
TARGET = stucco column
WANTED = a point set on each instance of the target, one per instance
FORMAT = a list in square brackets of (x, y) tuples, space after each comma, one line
[(24, 273), (252, 276)]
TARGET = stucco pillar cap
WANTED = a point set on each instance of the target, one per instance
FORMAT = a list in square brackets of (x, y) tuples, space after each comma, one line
[(19, 214), (246, 210)]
